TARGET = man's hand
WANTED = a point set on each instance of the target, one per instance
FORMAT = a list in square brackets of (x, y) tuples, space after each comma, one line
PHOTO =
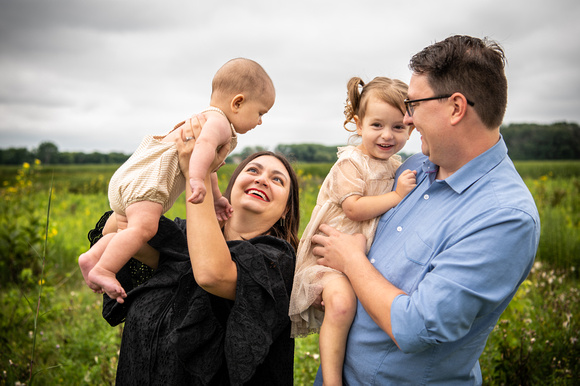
[(346, 253), (336, 249)]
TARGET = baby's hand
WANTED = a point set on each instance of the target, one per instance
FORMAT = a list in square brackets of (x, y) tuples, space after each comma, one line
[(223, 209), (406, 182), (198, 191)]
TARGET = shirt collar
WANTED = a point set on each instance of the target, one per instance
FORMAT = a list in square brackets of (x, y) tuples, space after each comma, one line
[(472, 171)]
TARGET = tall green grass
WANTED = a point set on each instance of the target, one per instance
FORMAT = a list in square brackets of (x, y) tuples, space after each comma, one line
[(555, 186), (536, 341), (555, 168)]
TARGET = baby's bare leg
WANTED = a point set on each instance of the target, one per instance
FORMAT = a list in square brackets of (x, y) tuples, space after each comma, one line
[(89, 259), (141, 225), (339, 310)]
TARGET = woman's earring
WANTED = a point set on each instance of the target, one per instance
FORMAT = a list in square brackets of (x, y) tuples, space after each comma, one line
[(282, 222)]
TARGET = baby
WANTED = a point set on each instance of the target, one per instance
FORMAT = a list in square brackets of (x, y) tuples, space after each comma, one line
[(150, 181)]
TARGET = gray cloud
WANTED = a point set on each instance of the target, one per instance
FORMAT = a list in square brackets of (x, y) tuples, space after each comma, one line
[(99, 75)]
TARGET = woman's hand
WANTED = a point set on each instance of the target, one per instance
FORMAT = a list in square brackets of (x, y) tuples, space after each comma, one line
[(185, 145), (189, 132)]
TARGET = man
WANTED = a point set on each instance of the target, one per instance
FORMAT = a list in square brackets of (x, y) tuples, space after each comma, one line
[(448, 259)]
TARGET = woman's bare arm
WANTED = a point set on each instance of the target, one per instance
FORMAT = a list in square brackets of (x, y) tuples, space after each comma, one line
[(211, 261)]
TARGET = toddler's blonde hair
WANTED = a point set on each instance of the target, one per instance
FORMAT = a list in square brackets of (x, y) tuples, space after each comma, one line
[(391, 91)]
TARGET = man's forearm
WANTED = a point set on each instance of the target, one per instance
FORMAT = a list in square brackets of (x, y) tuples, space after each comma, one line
[(375, 293)]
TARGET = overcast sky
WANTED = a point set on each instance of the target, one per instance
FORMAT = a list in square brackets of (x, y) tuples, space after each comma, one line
[(93, 75)]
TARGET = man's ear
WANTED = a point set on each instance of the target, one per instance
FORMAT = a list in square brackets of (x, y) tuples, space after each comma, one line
[(237, 102), (459, 107)]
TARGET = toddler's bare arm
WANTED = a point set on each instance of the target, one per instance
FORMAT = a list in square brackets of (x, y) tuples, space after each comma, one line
[(361, 208)]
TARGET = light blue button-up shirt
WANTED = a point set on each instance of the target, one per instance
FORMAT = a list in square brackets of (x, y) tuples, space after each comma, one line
[(459, 248)]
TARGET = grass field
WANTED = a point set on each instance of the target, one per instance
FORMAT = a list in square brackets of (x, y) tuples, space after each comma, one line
[(51, 330)]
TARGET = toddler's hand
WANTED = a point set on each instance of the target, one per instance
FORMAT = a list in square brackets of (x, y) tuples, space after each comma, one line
[(198, 191), (223, 209), (406, 182)]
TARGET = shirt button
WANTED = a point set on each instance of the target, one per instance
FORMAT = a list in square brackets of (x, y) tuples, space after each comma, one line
[(426, 197), (399, 228), (372, 261)]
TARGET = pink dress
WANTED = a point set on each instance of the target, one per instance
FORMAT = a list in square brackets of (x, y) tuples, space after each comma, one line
[(354, 173)]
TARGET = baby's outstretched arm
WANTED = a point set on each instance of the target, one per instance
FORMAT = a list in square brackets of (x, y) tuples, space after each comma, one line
[(223, 209), (216, 132)]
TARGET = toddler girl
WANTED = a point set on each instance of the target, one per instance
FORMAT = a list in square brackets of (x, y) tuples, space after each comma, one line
[(356, 191)]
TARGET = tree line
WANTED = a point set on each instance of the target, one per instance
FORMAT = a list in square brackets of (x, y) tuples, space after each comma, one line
[(48, 153), (529, 141), (525, 141)]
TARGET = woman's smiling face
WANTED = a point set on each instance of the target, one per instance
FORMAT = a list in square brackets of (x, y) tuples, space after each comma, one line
[(262, 187)]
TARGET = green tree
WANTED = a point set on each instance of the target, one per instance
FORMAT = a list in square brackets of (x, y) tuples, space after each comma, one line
[(15, 156), (309, 152), (116, 158), (529, 141), (47, 153), (238, 157)]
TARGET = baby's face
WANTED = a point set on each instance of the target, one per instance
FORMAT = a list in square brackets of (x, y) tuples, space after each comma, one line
[(251, 111)]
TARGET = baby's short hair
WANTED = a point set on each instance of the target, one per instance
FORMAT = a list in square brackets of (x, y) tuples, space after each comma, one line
[(240, 76)]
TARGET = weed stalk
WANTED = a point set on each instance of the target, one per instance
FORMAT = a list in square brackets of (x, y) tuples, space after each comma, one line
[(40, 282)]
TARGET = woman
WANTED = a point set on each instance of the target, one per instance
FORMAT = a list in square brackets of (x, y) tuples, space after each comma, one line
[(218, 313)]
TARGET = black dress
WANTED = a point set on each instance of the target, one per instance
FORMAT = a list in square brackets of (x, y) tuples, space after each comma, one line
[(178, 334)]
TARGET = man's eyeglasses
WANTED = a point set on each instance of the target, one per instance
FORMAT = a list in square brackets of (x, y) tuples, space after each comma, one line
[(409, 103)]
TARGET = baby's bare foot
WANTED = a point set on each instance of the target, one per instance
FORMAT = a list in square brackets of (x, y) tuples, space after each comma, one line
[(108, 282)]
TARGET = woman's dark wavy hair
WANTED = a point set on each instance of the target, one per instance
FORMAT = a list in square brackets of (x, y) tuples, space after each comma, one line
[(287, 228)]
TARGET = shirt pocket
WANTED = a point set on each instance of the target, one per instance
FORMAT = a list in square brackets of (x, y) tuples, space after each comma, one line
[(409, 265), (417, 251)]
